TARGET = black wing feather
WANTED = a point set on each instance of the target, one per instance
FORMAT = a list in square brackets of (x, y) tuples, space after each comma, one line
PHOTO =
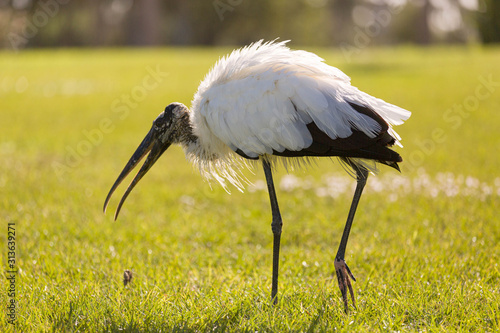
[(357, 145)]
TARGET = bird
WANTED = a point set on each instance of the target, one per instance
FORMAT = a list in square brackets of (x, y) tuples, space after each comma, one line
[(268, 104)]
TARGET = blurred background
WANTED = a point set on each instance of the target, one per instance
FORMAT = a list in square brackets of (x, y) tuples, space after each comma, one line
[(342, 23)]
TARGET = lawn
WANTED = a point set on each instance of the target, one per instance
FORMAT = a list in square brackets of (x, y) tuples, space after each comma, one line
[(424, 247)]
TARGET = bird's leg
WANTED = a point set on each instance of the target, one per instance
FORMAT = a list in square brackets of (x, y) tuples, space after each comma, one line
[(275, 226), (341, 268)]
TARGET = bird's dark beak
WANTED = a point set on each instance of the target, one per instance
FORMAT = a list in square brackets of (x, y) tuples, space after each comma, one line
[(156, 148)]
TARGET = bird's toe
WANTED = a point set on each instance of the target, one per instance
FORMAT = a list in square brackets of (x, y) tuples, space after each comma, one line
[(344, 275)]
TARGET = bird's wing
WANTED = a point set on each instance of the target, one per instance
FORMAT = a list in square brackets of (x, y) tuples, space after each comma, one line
[(252, 115), (269, 110)]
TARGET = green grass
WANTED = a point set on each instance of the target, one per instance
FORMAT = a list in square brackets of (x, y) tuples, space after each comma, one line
[(424, 245)]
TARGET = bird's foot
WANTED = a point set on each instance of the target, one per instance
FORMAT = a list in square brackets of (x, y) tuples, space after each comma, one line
[(343, 274)]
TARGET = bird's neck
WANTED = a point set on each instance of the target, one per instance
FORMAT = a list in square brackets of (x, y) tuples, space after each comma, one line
[(195, 148), (186, 136)]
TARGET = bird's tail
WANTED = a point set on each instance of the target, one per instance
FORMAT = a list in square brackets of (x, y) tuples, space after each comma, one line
[(381, 154), (391, 164), (375, 153)]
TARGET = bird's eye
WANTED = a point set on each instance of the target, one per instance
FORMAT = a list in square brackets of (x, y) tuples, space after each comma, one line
[(161, 122), (159, 125)]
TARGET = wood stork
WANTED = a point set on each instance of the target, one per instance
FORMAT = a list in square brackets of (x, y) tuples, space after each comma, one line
[(269, 103)]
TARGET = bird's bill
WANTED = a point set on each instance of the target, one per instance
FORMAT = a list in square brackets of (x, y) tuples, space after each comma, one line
[(152, 145)]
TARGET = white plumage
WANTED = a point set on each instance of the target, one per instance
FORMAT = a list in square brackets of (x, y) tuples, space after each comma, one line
[(260, 98), (266, 102)]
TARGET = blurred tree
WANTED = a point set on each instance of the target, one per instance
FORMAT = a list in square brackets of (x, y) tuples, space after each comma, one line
[(489, 22), (341, 16), (351, 23), (422, 29), (144, 24)]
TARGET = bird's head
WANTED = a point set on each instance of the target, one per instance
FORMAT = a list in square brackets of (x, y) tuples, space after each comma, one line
[(167, 128)]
